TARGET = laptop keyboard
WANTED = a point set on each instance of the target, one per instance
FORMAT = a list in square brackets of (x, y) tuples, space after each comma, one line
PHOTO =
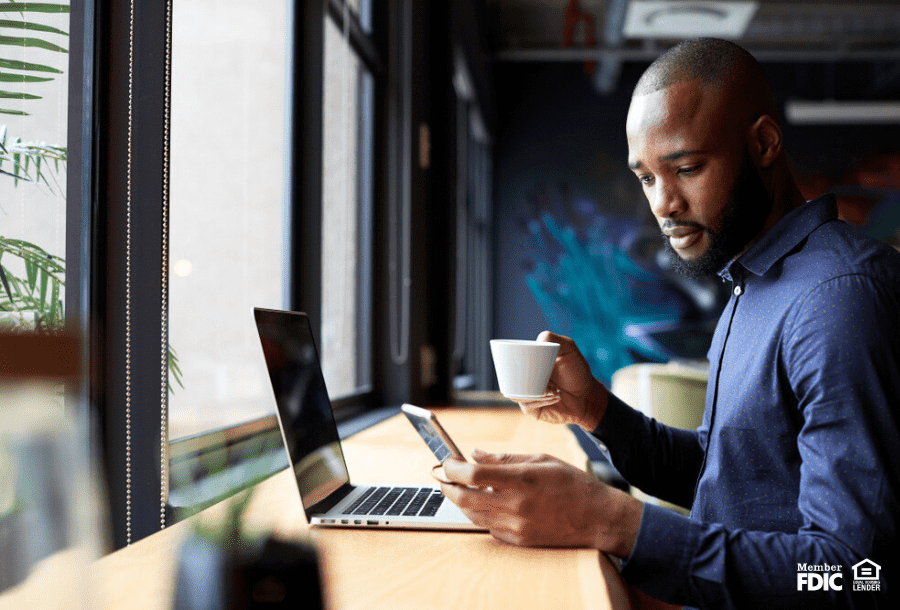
[(393, 501)]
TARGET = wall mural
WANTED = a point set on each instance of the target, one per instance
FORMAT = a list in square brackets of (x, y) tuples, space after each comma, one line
[(604, 281)]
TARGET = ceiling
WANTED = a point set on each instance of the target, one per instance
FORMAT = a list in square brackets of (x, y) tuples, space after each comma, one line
[(780, 31)]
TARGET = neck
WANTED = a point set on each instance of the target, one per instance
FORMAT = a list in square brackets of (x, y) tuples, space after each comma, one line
[(786, 195)]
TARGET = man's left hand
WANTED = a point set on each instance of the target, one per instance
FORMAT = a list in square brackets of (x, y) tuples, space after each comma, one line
[(539, 500)]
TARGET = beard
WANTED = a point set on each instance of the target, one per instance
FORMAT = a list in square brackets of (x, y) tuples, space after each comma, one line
[(741, 221)]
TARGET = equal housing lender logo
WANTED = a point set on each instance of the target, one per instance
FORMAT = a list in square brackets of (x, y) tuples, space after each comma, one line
[(867, 576), (825, 577)]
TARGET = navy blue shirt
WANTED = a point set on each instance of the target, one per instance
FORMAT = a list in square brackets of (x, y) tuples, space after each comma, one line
[(796, 467)]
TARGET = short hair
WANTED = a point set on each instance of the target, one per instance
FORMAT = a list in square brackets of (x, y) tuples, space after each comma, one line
[(713, 62)]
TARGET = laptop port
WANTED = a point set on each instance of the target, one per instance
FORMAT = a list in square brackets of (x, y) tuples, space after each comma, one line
[(327, 520), (371, 522), (345, 522), (357, 522)]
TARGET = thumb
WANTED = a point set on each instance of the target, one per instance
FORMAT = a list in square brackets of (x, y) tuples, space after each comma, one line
[(553, 338), (483, 457)]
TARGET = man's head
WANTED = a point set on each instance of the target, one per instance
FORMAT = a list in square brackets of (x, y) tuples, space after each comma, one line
[(702, 137)]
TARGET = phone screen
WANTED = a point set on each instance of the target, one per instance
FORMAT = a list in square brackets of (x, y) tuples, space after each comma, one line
[(431, 431)]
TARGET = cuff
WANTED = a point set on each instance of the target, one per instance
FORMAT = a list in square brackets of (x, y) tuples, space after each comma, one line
[(660, 562), (619, 421)]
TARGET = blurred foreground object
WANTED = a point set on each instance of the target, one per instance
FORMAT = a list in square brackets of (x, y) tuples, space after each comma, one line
[(227, 567), (50, 508)]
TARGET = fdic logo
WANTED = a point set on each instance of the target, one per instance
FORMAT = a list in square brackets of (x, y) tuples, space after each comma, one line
[(824, 577), (812, 577)]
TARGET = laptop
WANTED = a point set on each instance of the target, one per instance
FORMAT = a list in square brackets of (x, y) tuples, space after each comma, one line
[(314, 449)]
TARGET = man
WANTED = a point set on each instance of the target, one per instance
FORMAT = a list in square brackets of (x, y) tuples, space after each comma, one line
[(794, 470)]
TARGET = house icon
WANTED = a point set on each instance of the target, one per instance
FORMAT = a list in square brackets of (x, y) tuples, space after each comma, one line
[(866, 570)]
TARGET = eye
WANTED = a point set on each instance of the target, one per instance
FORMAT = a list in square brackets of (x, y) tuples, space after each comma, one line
[(687, 171), (646, 179)]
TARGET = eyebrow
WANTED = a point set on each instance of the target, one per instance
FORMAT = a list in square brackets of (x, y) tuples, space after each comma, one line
[(672, 156)]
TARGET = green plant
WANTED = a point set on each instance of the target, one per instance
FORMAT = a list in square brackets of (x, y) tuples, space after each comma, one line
[(29, 161), (34, 300), (16, 70)]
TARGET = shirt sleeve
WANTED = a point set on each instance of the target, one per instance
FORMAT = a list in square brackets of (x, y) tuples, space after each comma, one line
[(842, 356), (657, 459)]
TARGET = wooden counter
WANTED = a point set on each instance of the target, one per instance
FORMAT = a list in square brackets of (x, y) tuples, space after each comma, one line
[(380, 569)]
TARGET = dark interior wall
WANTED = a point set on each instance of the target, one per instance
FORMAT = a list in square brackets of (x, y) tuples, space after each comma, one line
[(559, 140), (554, 132)]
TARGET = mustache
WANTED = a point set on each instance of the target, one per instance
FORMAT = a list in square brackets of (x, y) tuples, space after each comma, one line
[(671, 223)]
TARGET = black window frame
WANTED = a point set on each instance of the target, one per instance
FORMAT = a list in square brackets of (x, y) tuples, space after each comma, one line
[(118, 109)]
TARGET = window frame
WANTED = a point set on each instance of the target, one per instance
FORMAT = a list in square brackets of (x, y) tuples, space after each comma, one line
[(363, 45), (117, 80), (110, 305)]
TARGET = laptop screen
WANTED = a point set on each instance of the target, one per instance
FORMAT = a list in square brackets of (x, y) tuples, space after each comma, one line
[(304, 410)]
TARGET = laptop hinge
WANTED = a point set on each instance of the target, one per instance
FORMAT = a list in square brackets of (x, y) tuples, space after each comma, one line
[(326, 504)]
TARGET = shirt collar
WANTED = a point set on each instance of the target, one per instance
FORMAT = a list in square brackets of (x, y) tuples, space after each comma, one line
[(785, 235)]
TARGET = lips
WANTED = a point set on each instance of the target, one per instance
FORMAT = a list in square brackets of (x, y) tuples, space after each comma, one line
[(682, 237)]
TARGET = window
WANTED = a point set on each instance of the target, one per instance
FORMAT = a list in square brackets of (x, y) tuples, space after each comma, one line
[(227, 229), (33, 130), (345, 342), (200, 192), (473, 238)]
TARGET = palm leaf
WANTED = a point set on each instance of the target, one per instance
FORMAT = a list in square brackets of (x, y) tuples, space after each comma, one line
[(27, 42), (5, 281), (45, 278), (24, 156), (5, 77), (38, 291), (35, 27), (15, 64), (33, 7), (35, 43), (15, 95), (31, 271), (55, 306)]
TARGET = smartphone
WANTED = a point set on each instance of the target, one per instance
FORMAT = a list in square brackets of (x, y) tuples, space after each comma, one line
[(431, 431)]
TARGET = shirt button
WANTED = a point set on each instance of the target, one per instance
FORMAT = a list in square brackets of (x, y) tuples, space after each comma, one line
[(738, 290)]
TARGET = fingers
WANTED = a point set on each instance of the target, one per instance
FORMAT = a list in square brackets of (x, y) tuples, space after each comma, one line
[(527, 499), (554, 338), (477, 475), (497, 471), (483, 457), (487, 509), (550, 398), (535, 406)]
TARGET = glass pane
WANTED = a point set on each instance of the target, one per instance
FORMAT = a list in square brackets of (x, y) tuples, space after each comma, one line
[(362, 10), (33, 115), (227, 212), (345, 217)]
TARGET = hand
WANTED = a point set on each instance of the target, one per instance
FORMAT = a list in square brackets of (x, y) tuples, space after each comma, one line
[(573, 396), (539, 500)]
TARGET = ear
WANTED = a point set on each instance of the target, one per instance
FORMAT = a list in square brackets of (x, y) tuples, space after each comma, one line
[(764, 141)]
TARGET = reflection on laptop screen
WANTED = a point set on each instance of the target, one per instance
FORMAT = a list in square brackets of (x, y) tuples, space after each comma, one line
[(304, 409)]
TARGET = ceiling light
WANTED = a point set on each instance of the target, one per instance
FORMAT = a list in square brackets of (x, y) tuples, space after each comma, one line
[(656, 19), (830, 112)]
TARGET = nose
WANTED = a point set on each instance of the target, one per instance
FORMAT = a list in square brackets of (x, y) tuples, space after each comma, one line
[(666, 201)]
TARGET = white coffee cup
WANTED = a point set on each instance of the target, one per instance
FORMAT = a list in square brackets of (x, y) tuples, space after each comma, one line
[(523, 367)]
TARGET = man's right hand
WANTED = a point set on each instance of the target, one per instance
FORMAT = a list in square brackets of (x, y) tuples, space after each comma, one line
[(573, 396)]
